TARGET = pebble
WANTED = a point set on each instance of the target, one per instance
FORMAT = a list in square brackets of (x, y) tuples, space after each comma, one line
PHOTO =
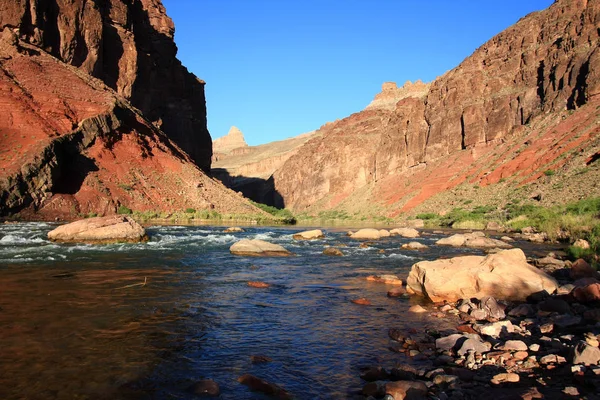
[(362, 301), (505, 377), (417, 309)]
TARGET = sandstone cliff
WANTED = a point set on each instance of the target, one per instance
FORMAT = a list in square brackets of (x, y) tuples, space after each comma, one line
[(535, 85), (128, 44), (71, 145), (226, 144), (249, 169)]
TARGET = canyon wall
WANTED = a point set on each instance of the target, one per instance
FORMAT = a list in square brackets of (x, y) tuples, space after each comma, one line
[(546, 63), (128, 44), (71, 142)]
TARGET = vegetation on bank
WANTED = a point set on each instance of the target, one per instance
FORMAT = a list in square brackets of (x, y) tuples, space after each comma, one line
[(281, 213), (568, 222), (191, 215)]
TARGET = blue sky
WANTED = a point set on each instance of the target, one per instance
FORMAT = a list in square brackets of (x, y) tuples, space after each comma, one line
[(279, 68)]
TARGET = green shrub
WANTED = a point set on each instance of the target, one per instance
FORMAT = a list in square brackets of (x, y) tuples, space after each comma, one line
[(426, 216), (190, 211), (549, 172), (124, 210), (284, 214)]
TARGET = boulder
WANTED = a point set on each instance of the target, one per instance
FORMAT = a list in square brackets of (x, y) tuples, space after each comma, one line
[(258, 248), (234, 229), (396, 292), (487, 243), (363, 301), (407, 390), (582, 244), (505, 275), (581, 269), (457, 240), (585, 354), (113, 229), (405, 232), (384, 233), (309, 235), (366, 234), (332, 251), (587, 294), (414, 246)]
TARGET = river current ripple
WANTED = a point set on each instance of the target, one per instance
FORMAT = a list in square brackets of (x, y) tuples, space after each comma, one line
[(75, 321)]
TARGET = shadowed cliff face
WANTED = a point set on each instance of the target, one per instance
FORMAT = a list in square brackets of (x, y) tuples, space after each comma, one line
[(545, 64), (129, 45)]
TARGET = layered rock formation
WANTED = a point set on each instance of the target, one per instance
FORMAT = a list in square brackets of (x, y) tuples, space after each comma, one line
[(226, 144), (522, 103), (249, 169), (72, 145), (128, 44)]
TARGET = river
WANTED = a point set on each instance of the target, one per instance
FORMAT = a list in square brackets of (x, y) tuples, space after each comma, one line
[(78, 322)]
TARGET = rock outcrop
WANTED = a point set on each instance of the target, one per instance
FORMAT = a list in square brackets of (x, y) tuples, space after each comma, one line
[(129, 46), (71, 145), (113, 229), (233, 140), (505, 275), (249, 169), (523, 103)]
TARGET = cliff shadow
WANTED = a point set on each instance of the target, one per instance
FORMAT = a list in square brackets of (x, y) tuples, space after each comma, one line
[(256, 189), (75, 167)]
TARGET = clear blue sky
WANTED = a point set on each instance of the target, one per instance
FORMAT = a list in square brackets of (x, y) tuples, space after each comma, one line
[(278, 68)]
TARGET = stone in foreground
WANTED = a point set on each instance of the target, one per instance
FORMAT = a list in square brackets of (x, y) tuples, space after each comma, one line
[(505, 275), (258, 248), (260, 385), (112, 229), (309, 235)]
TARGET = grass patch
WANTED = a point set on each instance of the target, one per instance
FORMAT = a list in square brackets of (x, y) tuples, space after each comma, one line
[(284, 214), (124, 210)]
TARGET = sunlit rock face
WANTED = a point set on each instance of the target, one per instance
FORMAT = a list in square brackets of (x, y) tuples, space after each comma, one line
[(416, 141), (129, 46)]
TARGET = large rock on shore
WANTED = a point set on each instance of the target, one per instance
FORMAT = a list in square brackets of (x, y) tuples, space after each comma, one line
[(258, 248), (505, 275), (111, 229)]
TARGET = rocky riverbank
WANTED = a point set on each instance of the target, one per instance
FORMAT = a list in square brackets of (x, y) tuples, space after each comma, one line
[(543, 347)]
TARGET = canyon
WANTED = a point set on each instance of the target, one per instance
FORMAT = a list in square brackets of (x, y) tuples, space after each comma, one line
[(524, 103), (98, 115)]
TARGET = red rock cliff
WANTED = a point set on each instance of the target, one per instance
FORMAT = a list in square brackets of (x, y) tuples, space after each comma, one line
[(546, 63), (129, 45)]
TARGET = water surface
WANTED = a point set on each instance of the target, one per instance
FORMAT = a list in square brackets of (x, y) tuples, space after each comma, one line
[(76, 321)]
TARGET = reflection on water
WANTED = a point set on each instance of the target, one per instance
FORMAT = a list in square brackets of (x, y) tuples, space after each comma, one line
[(76, 321)]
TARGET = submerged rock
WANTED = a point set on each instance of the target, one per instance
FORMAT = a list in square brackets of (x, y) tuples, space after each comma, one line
[(258, 248), (332, 251), (258, 285), (309, 235), (259, 385), (505, 275), (205, 388), (113, 229), (387, 279)]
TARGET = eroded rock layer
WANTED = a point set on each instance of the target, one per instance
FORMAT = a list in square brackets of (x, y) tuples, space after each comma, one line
[(128, 44), (71, 145), (535, 86)]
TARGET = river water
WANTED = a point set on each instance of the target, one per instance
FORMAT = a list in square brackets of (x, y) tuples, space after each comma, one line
[(77, 323)]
